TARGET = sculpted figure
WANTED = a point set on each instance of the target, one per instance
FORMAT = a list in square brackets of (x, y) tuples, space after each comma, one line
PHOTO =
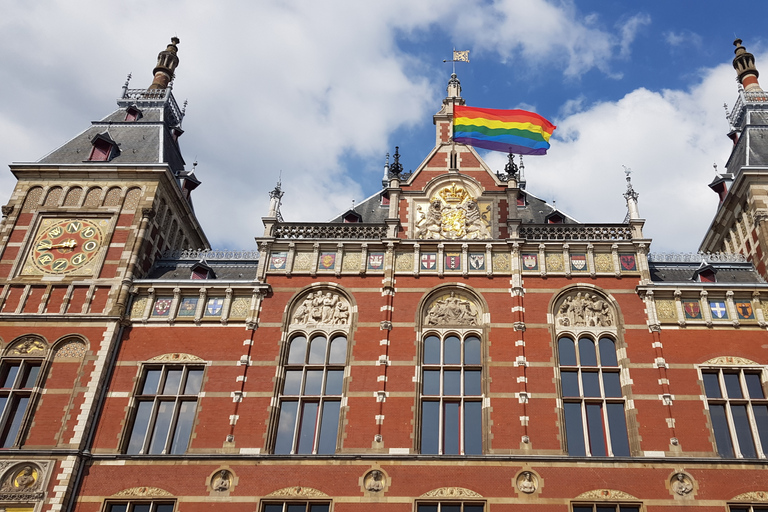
[(451, 310), (525, 482), (681, 485), (585, 310), (476, 226), (341, 314), (25, 479), (375, 481), (316, 314), (430, 225), (302, 312), (329, 303), (222, 482)]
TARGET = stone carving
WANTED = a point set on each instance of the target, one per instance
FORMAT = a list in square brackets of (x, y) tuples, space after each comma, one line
[(501, 262), (137, 309), (222, 481), (451, 492), (681, 484), (452, 310), (303, 261), (240, 307), (27, 346), (299, 492), (605, 494), (404, 261), (603, 262), (351, 261), (554, 262), (24, 479), (527, 482), (319, 309), (752, 496), (584, 310), (454, 214), (729, 361), (143, 492), (374, 481), (179, 357)]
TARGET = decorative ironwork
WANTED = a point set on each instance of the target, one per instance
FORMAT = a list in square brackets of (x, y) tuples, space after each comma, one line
[(697, 257), (577, 232), (153, 98), (210, 254), (296, 230), (746, 98)]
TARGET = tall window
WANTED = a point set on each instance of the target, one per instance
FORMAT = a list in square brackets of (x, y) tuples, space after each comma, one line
[(451, 395), (593, 403), (296, 507), (165, 410), (140, 506), (739, 411), (450, 506), (19, 379), (310, 399)]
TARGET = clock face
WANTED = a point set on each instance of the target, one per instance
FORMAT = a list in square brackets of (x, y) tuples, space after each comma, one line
[(66, 246)]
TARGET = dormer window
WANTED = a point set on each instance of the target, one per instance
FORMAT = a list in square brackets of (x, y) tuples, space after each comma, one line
[(132, 114), (555, 218), (202, 271), (104, 148), (705, 274), (352, 216), (385, 199)]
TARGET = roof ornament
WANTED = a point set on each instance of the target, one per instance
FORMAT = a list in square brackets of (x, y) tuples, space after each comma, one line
[(396, 167), (167, 61), (744, 64), (510, 169), (125, 85), (385, 178), (460, 56), (631, 196), (275, 199)]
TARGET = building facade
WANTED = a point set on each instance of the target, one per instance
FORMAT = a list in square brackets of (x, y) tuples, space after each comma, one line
[(452, 343)]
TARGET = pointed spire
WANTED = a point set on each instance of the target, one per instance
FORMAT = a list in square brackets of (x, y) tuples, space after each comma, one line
[(744, 64), (396, 167), (385, 178), (631, 196), (125, 85), (166, 65)]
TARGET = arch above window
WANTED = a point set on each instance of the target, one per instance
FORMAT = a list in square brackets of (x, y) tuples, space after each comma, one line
[(27, 346), (452, 308), (322, 307), (584, 308)]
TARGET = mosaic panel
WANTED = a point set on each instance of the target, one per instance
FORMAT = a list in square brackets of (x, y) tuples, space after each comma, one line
[(54, 196), (188, 307), (554, 262), (113, 197), (764, 305), (132, 199), (501, 262), (33, 199), (666, 310), (73, 196), (302, 261), (404, 261), (92, 198), (137, 310), (603, 262), (71, 350), (239, 308), (351, 261)]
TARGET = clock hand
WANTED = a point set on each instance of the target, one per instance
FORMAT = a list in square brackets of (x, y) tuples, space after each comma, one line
[(69, 244)]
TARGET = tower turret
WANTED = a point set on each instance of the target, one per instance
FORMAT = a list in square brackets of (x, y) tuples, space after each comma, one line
[(167, 61), (744, 64)]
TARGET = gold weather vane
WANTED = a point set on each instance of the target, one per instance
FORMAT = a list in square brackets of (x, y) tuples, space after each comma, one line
[(462, 56)]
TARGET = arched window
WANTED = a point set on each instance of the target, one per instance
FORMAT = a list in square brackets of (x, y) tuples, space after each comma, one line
[(451, 394), (20, 383), (451, 380), (311, 388), (593, 402)]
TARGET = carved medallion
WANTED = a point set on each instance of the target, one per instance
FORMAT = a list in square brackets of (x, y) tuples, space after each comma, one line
[(374, 481), (453, 213), (221, 481), (527, 482), (24, 479), (322, 308), (583, 309), (452, 309), (681, 484)]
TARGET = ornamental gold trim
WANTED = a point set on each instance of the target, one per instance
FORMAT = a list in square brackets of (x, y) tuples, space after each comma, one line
[(605, 494), (143, 492), (451, 492), (176, 357), (298, 492)]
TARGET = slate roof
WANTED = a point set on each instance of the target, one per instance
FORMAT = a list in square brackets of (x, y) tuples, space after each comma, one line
[(224, 270), (685, 272)]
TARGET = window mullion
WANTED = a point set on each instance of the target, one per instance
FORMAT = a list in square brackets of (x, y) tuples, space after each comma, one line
[(606, 428), (151, 425), (172, 427), (732, 429), (585, 428)]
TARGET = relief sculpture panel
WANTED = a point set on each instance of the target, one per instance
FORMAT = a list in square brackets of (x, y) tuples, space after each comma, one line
[(452, 309), (322, 308), (582, 309), (453, 213)]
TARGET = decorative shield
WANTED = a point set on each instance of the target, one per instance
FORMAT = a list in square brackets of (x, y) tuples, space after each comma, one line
[(578, 262), (188, 306), (718, 310), (213, 308), (162, 307), (327, 260), (745, 310), (531, 261), (453, 261), (628, 262), (428, 261), (376, 261), (477, 261), (692, 310), (277, 260)]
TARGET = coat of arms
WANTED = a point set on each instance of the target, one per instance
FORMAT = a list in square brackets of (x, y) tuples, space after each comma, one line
[(454, 214), (718, 310), (213, 308), (428, 261), (578, 262), (277, 261), (453, 261), (376, 261), (327, 260), (744, 309), (628, 262), (188, 306), (531, 261), (162, 307), (477, 261), (692, 310)]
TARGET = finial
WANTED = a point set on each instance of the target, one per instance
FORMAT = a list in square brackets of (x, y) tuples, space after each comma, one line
[(167, 61), (125, 85), (396, 167), (630, 195), (194, 165), (275, 197), (744, 64), (715, 166), (353, 205), (184, 108), (511, 167)]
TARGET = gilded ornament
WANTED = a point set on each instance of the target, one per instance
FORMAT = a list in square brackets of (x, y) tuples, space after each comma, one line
[(404, 261), (351, 261), (501, 262), (137, 309), (603, 262), (27, 346), (453, 214), (451, 492), (666, 310), (240, 306), (554, 262), (302, 261)]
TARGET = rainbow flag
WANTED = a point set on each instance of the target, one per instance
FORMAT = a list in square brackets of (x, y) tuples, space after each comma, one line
[(510, 131)]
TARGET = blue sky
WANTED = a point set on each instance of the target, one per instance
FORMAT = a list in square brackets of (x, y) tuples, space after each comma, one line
[(322, 90)]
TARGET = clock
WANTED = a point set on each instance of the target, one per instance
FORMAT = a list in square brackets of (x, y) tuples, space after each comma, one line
[(66, 246)]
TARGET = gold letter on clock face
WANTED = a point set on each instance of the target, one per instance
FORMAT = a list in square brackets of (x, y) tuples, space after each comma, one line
[(65, 246)]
